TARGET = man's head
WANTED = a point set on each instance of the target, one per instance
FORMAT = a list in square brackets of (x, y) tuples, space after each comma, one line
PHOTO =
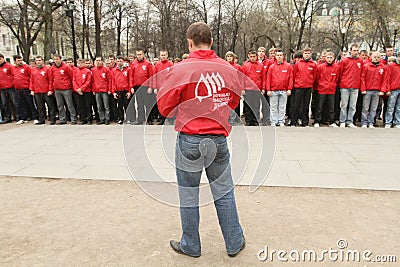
[(120, 61), (364, 54), (354, 50), (199, 36), (131, 57), (177, 60), (18, 60), (39, 61), (163, 55), (271, 52), (70, 62), (389, 51), (139, 54), (57, 59), (230, 56), (81, 63), (307, 53), (88, 63), (99, 61), (376, 57), (2, 60), (329, 57), (252, 54), (111, 58), (261, 53), (279, 55)]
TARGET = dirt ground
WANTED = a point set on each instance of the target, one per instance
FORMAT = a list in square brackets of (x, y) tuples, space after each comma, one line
[(67, 222)]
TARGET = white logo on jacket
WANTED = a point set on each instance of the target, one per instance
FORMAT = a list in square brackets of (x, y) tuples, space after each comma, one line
[(125, 73), (62, 72), (83, 76), (5, 70), (103, 75), (359, 65), (22, 70), (213, 83), (380, 71), (42, 73), (144, 67)]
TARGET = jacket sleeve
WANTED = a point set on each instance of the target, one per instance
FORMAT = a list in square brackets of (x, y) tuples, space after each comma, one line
[(317, 75), (363, 77), (75, 85), (290, 85), (112, 81), (385, 81), (268, 80), (131, 77), (51, 88), (31, 83)]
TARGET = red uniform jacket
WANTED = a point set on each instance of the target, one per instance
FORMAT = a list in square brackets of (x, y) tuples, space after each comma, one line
[(374, 77), (82, 80), (350, 72), (207, 87), (120, 79), (6, 75), (327, 78), (280, 77), (41, 80), (101, 80), (160, 66), (304, 73), (62, 77), (22, 76), (141, 72), (256, 72), (393, 77)]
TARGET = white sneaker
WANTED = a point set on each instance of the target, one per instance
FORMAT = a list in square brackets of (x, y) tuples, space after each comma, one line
[(351, 125), (19, 122), (371, 126), (364, 126), (281, 124), (273, 124), (397, 126), (342, 125), (333, 125), (35, 122), (387, 126), (316, 125)]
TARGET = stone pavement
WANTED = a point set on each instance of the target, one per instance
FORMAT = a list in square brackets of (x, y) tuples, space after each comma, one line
[(304, 157)]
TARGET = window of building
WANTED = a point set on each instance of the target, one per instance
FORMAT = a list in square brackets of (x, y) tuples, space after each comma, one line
[(4, 37), (324, 12)]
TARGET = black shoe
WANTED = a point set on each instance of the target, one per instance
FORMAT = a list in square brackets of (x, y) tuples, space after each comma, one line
[(89, 123), (83, 122), (62, 123), (7, 121), (52, 122), (243, 246), (120, 122), (100, 122), (176, 246), (40, 123), (107, 122), (73, 122)]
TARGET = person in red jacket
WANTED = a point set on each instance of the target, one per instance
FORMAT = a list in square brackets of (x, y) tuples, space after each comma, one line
[(162, 64), (350, 69), (279, 85), (120, 87), (304, 73), (82, 84), (7, 88), (142, 70), (202, 123), (41, 87), (326, 84), (101, 89), (235, 114), (25, 106), (392, 115), (255, 71), (62, 84), (373, 85), (262, 58)]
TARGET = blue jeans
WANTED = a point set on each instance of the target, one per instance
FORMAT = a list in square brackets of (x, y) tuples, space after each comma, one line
[(7, 95), (103, 106), (192, 154), (393, 106), (64, 97), (278, 106), (370, 104), (348, 104)]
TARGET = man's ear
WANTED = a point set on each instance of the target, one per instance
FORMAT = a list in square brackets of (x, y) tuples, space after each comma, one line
[(190, 44), (212, 41)]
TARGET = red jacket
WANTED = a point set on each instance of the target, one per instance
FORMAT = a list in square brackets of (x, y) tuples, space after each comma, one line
[(101, 80), (327, 78), (6, 75), (256, 72), (160, 66), (41, 80), (393, 77), (350, 72), (304, 73), (280, 77), (236, 66), (203, 100), (22, 76), (82, 80), (120, 79), (62, 77), (374, 77), (141, 72)]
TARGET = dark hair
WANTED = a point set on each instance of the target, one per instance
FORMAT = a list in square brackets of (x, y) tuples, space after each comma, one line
[(121, 57), (199, 33), (111, 56), (308, 49), (251, 52), (298, 54), (139, 49), (57, 55), (39, 57), (17, 57), (1, 55), (70, 59)]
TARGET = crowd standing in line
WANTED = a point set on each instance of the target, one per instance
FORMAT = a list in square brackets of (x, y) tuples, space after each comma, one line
[(357, 87)]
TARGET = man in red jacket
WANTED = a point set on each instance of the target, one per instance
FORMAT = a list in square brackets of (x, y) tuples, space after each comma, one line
[(235, 114), (7, 88), (41, 87), (392, 115), (101, 89), (25, 106), (304, 73), (255, 71), (262, 58), (279, 85), (202, 123), (120, 87), (82, 84), (373, 85), (142, 70), (62, 84), (326, 84), (350, 69)]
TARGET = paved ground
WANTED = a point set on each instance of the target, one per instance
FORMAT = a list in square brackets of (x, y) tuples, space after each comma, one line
[(98, 222)]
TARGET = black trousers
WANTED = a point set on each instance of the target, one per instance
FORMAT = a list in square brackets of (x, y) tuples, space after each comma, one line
[(357, 115), (85, 107), (325, 102), (41, 100), (145, 104), (337, 104), (252, 111), (113, 108), (122, 102), (94, 107), (302, 99)]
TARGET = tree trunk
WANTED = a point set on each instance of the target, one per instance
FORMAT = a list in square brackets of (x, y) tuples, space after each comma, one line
[(97, 21), (48, 30)]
